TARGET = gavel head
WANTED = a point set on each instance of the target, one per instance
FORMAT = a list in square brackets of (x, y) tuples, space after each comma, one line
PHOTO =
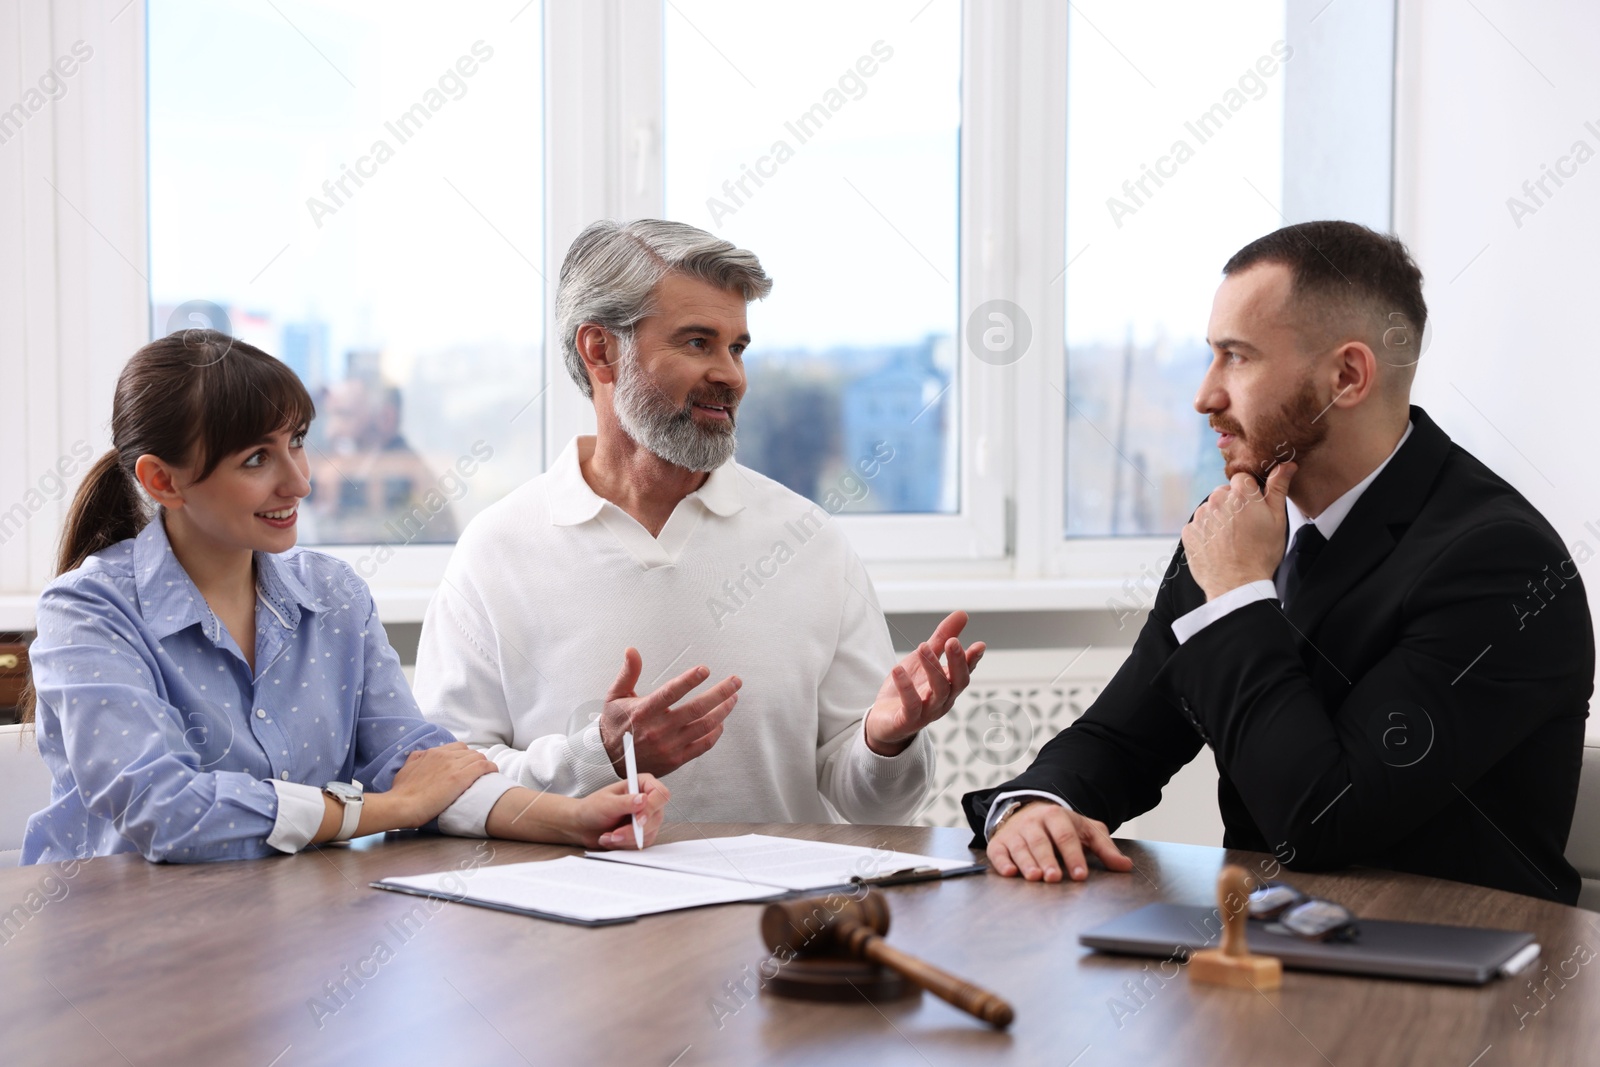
[(814, 924)]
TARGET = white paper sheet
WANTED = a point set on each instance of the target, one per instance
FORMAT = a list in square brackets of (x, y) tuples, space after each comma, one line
[(577, 888), (786, 862)]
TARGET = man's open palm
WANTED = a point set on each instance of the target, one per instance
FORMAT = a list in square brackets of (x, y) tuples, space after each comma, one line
[(665, 737), (921, 688)]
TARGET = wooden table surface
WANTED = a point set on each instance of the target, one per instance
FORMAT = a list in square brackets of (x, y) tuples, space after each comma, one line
[(280, 962)]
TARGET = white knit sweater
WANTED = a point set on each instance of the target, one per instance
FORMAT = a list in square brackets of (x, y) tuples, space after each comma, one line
[(548, 586)]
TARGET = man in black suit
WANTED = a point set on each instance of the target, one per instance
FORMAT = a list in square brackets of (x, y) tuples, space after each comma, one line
[(1387, 649)]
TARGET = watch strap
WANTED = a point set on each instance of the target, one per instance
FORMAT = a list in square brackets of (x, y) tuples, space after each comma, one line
[(352, 819), (350, 795)]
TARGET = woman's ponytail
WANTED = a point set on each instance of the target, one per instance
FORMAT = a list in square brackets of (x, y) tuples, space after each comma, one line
[(107, 508)]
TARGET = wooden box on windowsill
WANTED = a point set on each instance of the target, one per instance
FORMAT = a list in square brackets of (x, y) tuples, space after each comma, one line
[(13, 674)]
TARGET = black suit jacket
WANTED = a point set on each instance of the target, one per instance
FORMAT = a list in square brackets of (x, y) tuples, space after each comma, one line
[(1420, 707)]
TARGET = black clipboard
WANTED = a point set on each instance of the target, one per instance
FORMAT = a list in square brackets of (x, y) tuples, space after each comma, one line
[(912, 874), (534, 913)]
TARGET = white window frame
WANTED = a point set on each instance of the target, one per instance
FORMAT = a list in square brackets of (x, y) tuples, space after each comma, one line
[(610, 62), (74, 295), (1338, 162)]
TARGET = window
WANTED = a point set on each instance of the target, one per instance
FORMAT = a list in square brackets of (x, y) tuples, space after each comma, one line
[(826, 138), (356, 189), (903, 169), (1161, 189)]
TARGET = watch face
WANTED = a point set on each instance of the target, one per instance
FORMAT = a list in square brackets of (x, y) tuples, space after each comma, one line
[(343, 790)]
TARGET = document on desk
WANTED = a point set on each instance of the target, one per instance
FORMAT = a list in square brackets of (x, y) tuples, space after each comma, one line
[(609, 887), (574, 889), (788, 863)]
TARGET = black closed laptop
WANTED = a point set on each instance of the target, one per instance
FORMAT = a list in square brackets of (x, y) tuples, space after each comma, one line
[(1463, 954)]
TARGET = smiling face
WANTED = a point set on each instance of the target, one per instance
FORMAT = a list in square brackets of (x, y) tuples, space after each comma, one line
[(250, 501), (680, 380), (1261, 390)]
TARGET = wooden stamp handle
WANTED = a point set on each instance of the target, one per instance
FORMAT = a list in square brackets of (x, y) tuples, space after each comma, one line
[(979, 1003), (1233, 898)]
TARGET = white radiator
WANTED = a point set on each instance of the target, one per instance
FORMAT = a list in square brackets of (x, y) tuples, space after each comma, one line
[(1017, 701)]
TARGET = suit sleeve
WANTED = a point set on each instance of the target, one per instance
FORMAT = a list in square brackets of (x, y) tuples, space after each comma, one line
[(1470, 673), (1112, 763)]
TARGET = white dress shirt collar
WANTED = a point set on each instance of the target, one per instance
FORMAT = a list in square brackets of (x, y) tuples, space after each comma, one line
[(1334, 514), (1187, 625)]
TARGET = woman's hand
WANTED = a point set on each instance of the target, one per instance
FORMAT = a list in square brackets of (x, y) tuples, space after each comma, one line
[(433, 778), (604, 817)]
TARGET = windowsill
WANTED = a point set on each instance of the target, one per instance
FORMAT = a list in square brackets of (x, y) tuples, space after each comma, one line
[(406, 604), (898, 595), (16, 612)]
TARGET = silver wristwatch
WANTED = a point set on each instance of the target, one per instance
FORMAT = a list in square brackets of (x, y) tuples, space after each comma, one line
[(1009, 810), (348, 794)]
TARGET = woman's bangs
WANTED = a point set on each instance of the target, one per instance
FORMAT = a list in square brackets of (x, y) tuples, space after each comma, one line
[(248, 396)]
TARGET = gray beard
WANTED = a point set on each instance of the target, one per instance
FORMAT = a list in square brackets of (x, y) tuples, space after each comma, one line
[(647, 416)]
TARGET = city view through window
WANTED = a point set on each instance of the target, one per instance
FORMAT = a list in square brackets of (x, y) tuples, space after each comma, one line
[(835, 157), (318, 202), (1161, 190), (368, 210)]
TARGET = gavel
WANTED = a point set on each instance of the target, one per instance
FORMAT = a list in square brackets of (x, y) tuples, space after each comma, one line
[(806, 927)]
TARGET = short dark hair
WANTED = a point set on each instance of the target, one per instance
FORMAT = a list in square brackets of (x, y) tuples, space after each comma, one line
[(1341, 270)]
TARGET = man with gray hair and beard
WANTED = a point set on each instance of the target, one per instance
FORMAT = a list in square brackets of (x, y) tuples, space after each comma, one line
[(630, 549)]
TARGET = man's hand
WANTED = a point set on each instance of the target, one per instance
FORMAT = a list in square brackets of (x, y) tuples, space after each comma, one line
[(1042, 837), (1237, 536), (920, 689), (664, 737)]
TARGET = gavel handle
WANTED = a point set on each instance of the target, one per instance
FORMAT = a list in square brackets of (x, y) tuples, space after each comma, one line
[(947, 987)]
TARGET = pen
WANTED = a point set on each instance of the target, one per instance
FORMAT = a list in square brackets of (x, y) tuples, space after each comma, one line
[(633, 783)]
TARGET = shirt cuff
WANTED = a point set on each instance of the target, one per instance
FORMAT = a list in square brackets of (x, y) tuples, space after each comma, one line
[(469, 814), (591, 765), (1186, 626), (300, 812), (999, 804)]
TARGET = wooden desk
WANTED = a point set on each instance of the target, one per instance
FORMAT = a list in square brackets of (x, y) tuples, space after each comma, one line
[(220, 964)]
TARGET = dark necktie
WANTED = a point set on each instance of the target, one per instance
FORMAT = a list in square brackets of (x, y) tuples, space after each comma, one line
[(1308, 545)]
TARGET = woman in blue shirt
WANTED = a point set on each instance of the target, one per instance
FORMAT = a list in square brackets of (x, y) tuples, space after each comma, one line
[(204, 689)]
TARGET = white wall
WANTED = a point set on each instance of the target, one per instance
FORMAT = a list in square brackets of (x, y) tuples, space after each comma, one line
[(1488, 93), (73, 259)]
